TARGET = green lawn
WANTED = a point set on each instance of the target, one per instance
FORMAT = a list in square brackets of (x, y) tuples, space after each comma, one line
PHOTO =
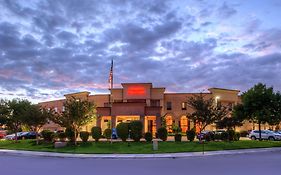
[(140, 148)]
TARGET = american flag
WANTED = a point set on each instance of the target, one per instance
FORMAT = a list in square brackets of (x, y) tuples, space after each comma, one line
[(110, 79)]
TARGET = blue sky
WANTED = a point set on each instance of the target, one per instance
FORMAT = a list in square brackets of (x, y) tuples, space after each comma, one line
[(49, 48)]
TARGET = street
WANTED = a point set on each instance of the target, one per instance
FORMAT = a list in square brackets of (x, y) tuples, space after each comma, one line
[(263, 163)]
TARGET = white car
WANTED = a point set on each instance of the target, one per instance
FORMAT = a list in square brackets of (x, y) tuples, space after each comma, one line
[(265, 135), (13, 136)]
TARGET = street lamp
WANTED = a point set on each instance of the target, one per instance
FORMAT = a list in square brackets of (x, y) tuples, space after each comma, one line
[(129, 138)]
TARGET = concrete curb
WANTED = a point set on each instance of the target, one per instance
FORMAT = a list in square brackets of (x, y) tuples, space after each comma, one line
[(136, 156)]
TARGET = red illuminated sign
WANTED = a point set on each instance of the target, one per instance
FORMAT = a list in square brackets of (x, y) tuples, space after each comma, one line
[(136, 90)]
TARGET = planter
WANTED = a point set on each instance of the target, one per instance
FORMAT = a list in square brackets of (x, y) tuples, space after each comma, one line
[(178, 137), (60, 144)]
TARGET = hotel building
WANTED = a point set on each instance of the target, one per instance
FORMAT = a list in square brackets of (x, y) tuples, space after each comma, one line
[(142, 101)]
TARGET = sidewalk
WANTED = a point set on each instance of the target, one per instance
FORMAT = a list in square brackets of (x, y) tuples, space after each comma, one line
[(136, 156)]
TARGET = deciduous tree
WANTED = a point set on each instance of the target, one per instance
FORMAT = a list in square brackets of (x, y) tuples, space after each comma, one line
[(77, 113), (205, 111), (262, 105), (35, 118)]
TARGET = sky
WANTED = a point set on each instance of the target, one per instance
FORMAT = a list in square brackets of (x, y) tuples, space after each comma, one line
[(51, 48)]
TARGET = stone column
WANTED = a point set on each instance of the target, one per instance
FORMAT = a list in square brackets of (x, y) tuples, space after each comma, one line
[(142, 118), (113, 121), (99, 118), (158, 121)]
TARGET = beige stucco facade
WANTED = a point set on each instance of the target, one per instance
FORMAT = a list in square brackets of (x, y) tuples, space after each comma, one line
[(142, 101)]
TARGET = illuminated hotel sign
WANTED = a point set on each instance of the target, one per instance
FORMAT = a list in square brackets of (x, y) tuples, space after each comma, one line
[(136, 90)]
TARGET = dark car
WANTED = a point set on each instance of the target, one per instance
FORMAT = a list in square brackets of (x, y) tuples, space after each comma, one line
[(28, 135), (205, 135)]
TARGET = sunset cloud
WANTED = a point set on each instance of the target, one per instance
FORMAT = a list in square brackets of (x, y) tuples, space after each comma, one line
[(49, 48)]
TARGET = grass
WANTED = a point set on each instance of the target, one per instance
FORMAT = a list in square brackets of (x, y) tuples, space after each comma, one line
[(138, 148)]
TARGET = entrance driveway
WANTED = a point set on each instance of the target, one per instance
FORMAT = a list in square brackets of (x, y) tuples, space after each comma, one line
[(250, 164)]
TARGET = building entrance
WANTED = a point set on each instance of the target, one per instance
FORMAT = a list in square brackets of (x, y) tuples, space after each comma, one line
[(150, 124), (120, 119)]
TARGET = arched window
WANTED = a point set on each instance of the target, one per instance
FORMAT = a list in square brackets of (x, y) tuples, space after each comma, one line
[(184, 123), (169, 123)]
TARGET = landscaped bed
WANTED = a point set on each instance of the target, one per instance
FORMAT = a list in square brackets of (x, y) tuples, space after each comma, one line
[(137, 148)]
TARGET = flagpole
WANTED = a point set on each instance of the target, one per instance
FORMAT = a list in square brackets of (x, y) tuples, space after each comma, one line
[(110, 96)]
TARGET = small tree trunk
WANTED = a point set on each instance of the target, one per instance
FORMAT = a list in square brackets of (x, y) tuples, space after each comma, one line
[(16, 134), (37, 138), (75, 138), (16, 137), (259, 131)]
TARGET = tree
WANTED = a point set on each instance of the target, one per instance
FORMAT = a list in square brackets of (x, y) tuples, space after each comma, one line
[(205, 111), (275, 117), (3, 112), (236, 119), (261, 105), (35, 118), (77, 113), (15, 111)]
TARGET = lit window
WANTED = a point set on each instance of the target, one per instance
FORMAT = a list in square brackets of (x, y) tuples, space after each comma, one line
[(56, 109), (183, 105)]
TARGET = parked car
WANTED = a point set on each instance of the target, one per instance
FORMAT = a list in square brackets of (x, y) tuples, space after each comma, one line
[(265, 135), (219, 131), (13, 136), (204, 134), (27, 135), (2, 134)]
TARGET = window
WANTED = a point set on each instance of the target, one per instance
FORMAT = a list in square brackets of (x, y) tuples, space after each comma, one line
[(63, 108), (56, 109), (169, 105), (183, 105), (154, 102), (118, 101)]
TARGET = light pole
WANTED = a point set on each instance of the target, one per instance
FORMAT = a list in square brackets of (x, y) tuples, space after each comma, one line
[(129, 138)]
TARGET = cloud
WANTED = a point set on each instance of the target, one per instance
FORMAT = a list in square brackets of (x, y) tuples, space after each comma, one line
[(226, 11), (49, 48)]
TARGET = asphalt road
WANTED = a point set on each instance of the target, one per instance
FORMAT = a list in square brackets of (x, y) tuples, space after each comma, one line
[(249, 164)]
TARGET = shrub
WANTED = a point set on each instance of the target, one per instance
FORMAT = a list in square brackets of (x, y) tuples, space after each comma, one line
[(244, 133), (48, 135), (84, 135), (107, 133), (208, 137), (136, 130), (62, 136), (176, 129), (123, 131), (162, 133), (237, 136), (224, 136), (96, 133), (148, 136), (231, 135), (190, 134), (70, 134), (177, 137), (217, 136)]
